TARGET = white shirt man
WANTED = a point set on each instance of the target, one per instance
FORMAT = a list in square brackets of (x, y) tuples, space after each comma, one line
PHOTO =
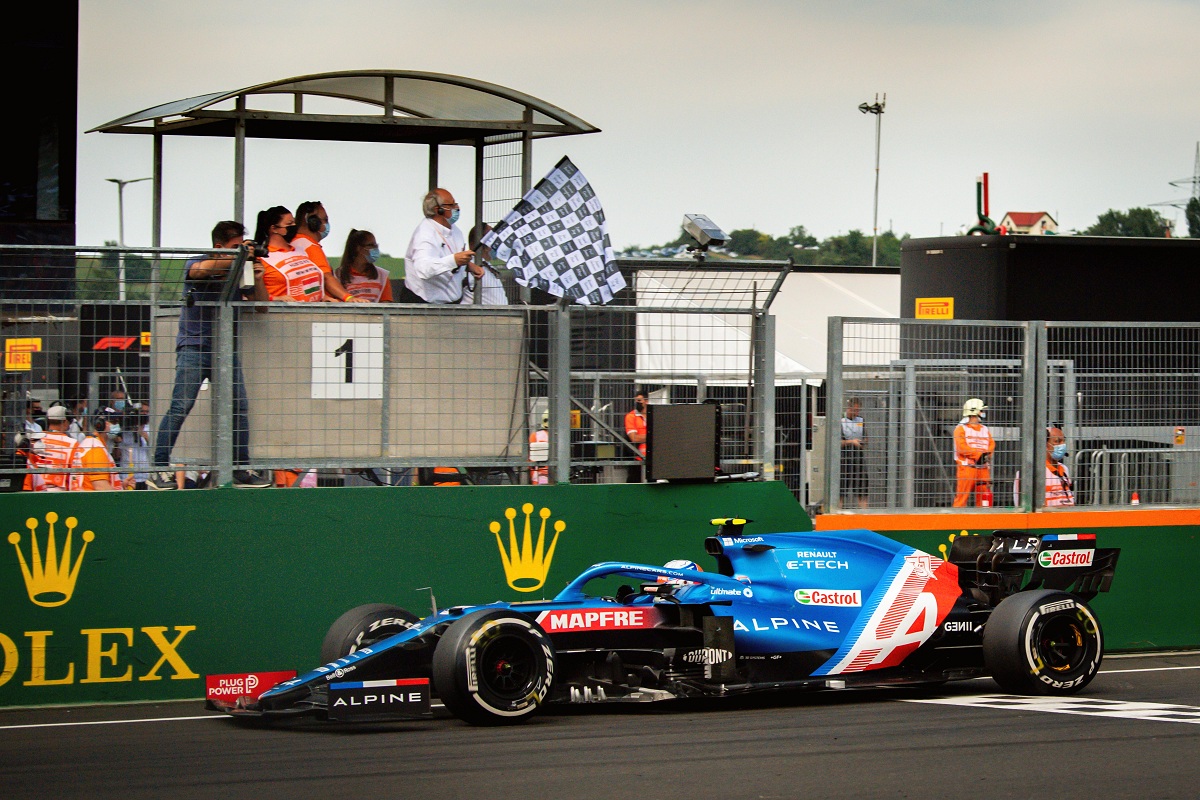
[(437, 254)]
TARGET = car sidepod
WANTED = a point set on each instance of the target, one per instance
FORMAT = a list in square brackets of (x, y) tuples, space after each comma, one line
[(832, 605)]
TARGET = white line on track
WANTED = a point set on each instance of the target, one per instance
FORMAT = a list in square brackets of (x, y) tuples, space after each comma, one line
[(106, 722), (434, 705), (128, 721), (1147, 669), (1083, 706)]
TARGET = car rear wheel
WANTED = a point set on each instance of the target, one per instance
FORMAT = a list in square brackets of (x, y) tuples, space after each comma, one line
[(493, 667), (1042, 642), (363, 625)]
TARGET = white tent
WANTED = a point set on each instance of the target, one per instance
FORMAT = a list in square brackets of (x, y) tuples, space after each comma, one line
[(718, 345), (807, 301)]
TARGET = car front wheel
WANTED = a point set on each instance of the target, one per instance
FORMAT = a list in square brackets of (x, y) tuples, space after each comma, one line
[(493, 667), (362, 625)]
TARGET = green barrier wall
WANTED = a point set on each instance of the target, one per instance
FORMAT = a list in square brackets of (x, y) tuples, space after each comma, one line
[(172, 586), (176, 585)]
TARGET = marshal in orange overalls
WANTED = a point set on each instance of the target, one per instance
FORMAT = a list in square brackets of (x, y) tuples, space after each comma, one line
[(973, 448)]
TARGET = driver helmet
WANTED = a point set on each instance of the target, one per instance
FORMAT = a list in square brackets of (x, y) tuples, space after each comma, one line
[(679, 563)]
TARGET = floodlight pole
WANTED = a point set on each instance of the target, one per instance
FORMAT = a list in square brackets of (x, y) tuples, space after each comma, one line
[(875, 108), (121, 184)]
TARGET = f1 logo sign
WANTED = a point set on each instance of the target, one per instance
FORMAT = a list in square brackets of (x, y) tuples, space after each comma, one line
[(114, 343)]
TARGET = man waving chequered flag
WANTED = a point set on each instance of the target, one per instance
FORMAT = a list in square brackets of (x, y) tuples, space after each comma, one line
[(556, 239)]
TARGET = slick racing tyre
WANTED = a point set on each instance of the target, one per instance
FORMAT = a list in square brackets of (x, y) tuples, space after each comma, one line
[(493, 667), (1042, 642), (363, 625)]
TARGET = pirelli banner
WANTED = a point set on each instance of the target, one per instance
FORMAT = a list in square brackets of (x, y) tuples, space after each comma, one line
[(139, 595)]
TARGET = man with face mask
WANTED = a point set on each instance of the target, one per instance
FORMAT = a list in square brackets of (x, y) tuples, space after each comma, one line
[(34, 413), (635, 429), (312, 226), (973, 448), (437, 254), (1059, 489)]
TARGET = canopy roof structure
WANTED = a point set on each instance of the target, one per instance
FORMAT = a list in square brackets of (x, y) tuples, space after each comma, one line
[(377, 106), (397, 106)]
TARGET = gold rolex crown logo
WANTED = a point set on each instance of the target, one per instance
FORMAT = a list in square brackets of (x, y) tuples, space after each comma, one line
[(50, 581), (527, 565)]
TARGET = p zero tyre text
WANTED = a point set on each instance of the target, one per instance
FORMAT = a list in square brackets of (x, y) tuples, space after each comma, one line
[(1042, 642), (363, 625), (493, 667)]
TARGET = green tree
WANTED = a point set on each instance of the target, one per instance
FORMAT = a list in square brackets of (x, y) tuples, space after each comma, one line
[(853, 248), (1192, 212), (1134, 222), (800, 237), (748, 242), (889, 249)]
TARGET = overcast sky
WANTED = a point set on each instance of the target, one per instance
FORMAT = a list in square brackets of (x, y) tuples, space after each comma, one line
[(745, 111)]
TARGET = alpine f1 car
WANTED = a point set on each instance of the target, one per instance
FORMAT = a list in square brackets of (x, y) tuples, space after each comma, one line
[(781, 611)]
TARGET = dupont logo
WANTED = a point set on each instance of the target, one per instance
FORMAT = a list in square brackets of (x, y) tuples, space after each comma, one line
[(935, 308), (710, 656), (1066, 558), (829, 597)]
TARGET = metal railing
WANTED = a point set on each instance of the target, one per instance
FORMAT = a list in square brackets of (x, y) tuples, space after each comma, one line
[(387, 391), (1125, 395)]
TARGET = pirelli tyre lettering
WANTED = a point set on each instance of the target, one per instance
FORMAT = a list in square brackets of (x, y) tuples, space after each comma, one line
[(363, 625), (1042, 642), (493, 667)]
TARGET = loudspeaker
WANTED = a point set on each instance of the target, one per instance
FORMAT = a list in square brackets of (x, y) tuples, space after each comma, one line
[(682, 442)]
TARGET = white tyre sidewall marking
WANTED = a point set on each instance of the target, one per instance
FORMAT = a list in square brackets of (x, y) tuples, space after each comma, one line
[(469, 651), (1031, 659)]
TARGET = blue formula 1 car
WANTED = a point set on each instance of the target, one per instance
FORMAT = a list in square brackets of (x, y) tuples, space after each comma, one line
[(781, 611)]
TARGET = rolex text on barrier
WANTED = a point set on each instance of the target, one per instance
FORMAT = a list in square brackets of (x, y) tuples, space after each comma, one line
[(53, 653)]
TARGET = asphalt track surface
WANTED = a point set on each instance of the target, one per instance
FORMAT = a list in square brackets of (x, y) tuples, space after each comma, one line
[(1134, 732)]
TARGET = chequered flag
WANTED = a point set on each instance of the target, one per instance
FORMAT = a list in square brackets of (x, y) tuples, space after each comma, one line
[(556, 239)]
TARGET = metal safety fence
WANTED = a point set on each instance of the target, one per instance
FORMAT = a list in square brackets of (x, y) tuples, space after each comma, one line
[(208, 389), (1123, 395)]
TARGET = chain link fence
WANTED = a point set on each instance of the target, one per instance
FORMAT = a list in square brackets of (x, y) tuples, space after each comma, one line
[(335, 394), (1124, 395)]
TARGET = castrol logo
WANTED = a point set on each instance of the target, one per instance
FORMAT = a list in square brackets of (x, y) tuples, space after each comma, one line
[(1066, 558), (829, 597)]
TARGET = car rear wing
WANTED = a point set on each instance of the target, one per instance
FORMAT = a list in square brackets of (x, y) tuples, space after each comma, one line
[(993, 567)]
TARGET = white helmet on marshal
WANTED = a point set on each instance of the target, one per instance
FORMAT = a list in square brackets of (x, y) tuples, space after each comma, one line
[(973, 407)]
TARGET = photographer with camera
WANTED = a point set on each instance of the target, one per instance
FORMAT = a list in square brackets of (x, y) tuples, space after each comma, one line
[(973, 448), (203, 282), (486, 288)]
